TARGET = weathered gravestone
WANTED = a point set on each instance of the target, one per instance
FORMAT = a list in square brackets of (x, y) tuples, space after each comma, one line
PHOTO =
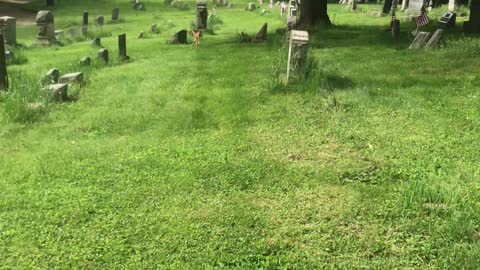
[(154, 29), (452, 5), (420, 39), (414, 7), (202, 15), (72, 78), (8, 26), (122, 47), (473, 25), (387, 6), (52, 76), (354, 5), (3, 65), (59, 34), (179, 38), (435, 40), (45, 28), (96, 42), (251, 7), (103, 56), (297, 55), (115, 14), (85, 18), (99, 21), (262, 34), (58, 92), (395, 29), (404, 4), (448, 20), (141, 35), (85, 61)]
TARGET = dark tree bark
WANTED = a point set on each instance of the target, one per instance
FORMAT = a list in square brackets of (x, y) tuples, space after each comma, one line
[(314, 12)]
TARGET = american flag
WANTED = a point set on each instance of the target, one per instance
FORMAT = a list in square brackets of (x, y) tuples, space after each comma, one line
[(422, 19)]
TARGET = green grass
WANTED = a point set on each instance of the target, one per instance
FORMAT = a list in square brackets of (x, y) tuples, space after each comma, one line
[(198, 159)]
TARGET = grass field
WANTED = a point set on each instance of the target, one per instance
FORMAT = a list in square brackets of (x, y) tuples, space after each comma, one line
[(199, 159)]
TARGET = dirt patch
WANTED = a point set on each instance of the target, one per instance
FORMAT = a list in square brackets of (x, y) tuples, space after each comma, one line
[(15, 10)]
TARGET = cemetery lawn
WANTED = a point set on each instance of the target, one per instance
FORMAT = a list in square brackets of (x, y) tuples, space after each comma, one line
[(199, 158)]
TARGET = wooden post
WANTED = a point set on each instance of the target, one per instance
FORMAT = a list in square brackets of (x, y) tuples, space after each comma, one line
[(3, 66), (122, 46)]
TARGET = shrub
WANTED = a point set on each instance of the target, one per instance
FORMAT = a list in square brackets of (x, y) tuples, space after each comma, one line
[(242, 37)]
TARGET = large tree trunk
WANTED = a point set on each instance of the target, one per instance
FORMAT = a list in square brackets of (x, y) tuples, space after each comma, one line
[(314, 12)]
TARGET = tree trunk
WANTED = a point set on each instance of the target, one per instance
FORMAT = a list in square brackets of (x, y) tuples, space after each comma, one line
[(314, 12)]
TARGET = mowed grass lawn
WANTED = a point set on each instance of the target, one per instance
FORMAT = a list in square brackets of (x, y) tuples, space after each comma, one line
[(198, 159)]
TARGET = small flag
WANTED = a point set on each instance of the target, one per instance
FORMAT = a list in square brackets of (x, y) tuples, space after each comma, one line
[(422, 19)]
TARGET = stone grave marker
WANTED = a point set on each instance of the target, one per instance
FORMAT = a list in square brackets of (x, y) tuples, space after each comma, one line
[(85, 61), (85, 18), (122, 47), (354, 5), (115, 14), (84, 30), (154, 29), (52, 76), (414, 7), (141, 35), (99, 21), (297, 54), (8, 26), (396, 29), (262, 34), (452, 5), (59, 34), (473, 25), (435, 40), (420, 39), (448, 20), (58, 92), (387, 6), (96, 42), (251, 7), (202, 15), (45, 28), (103, 55), (3, 65), (71, 78), (179, 38)]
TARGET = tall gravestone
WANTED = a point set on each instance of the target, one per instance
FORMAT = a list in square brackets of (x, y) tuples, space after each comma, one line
[(202, 15), (297, 54), (387, 6), (122, 47), (115, 14), (99, 21), (8, 26), (85, 18), (45, 27), (414, 6), (473, 25), (452, 5), (3, 65), (404, 4)]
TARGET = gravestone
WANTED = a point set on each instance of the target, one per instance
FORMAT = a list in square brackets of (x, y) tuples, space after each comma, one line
[(45, 27), (122, 47), (85, 18), (262, 34), (99, 21), (102, 55), (251, 7), (8, 26), (179, 38), (3, 65), (387, 6), (115, 14), (473, 25), (414, 7), (52, 76), (404, 5), (202, 15), (154, 29), (58, 92), (85, 61), (84, 30), (96, 42), (420, 39), (297, 54), (59, 34), (448, 20), (141, 35), (72, 78), (452, 5), (435, 40)]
